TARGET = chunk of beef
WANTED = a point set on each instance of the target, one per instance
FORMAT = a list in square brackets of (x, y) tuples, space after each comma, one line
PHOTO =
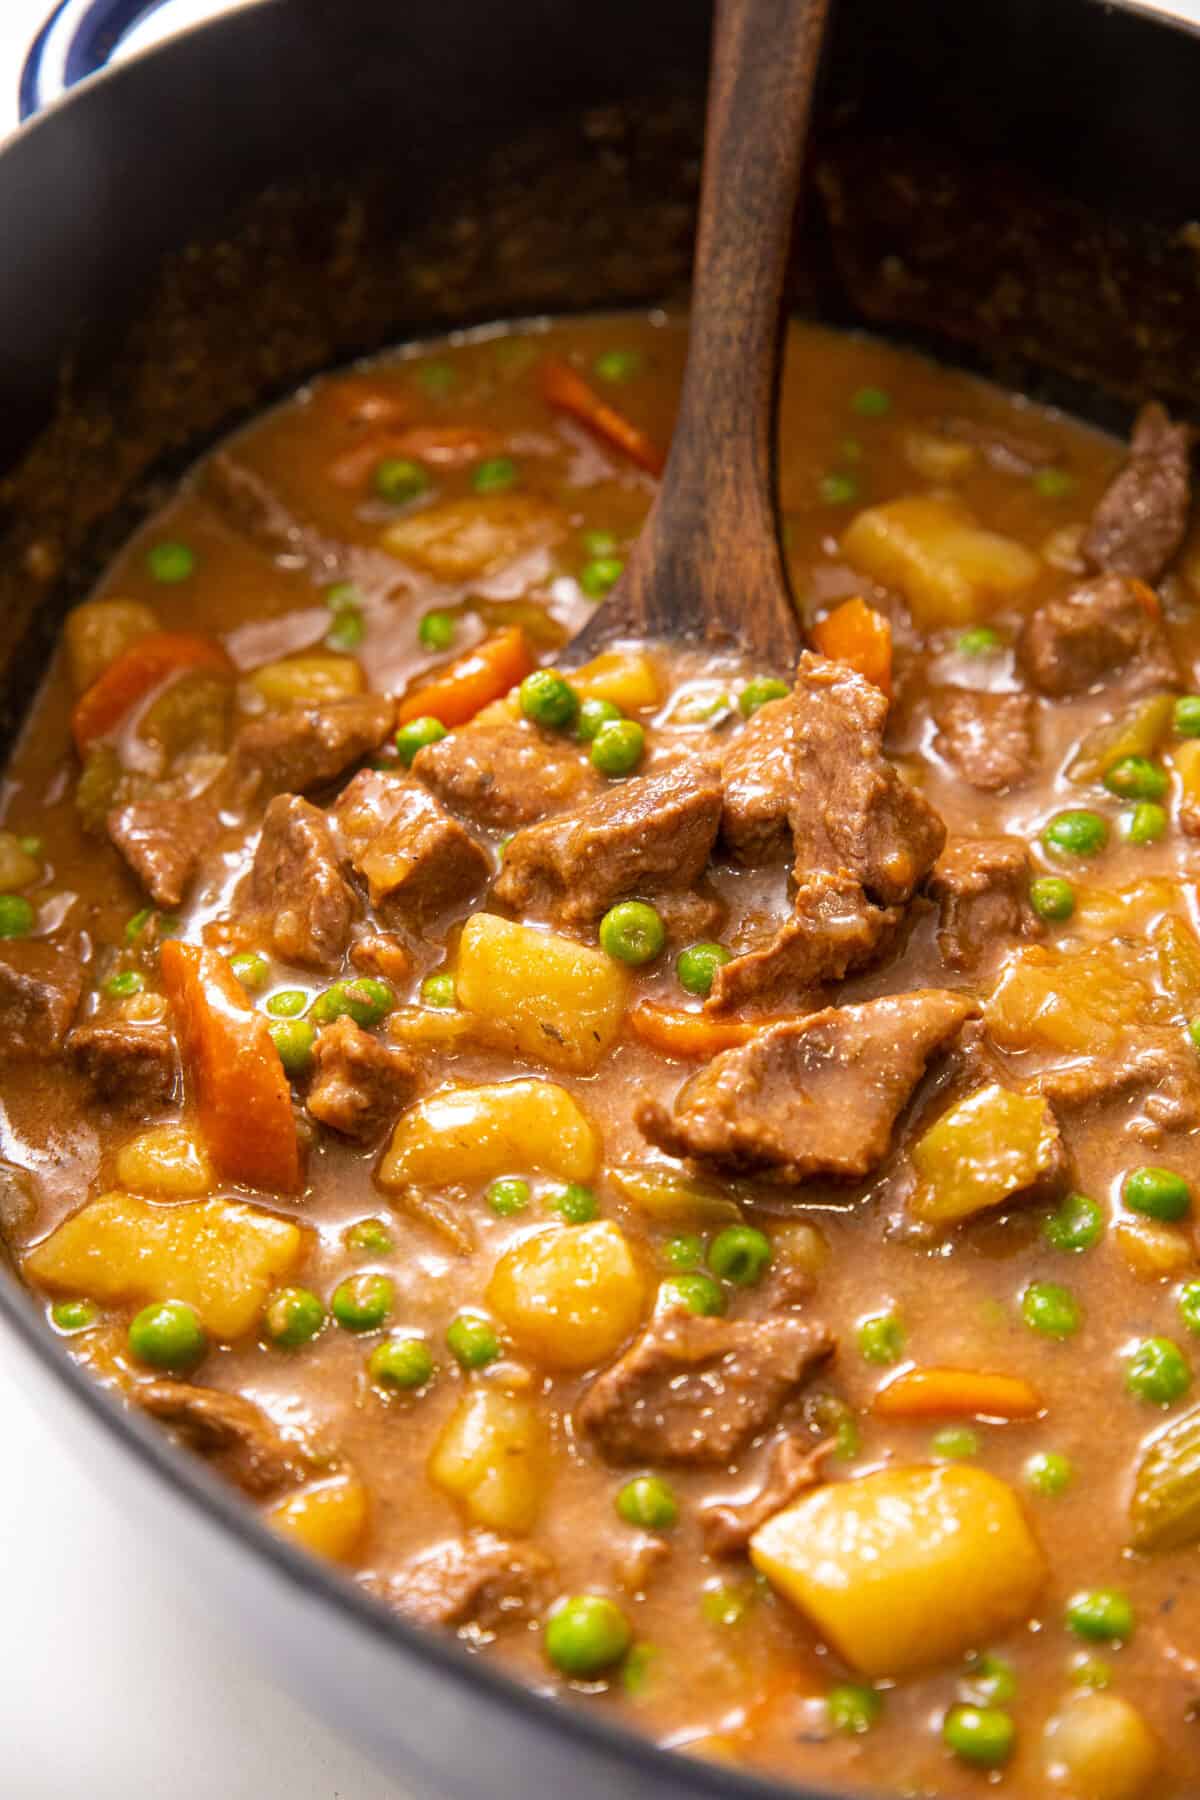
[(982, 888), (417, 861), (481, 1580), (1100, 629), (811, 768), (359, 1085), (833, 928), (1142, 515), (728, 1525), (382, 954), (696, 1390), (503, 773), (40, 985), (130, 1063), (162, 839), (234, 1434), (988, 738), (1156, 1074), (310, 745), (814, 1096), (641, 838), (296, 887)]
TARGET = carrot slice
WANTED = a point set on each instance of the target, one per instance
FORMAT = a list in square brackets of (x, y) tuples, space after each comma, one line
[(1147, 598), (691, 1036), (957, 1393), (566, 390), (134, 674), (233, 1068), (469, 683), (855, 633)]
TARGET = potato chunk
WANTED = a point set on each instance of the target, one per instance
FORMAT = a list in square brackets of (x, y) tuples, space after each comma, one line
[(1099, 1747), (458, 540), (167, 1161), (328, 1518), (1082, 1001), (467, 1136), (569, 1296), (221, 1257), (626, 677), (562, 1001), (905, 1568), (312, 680), (101, 630), (992, 1145), (492, 1455), (948, 569)]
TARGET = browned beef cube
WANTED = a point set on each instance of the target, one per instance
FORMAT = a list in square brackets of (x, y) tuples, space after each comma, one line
[(1142, 515), (417, 861), (795, 1465), (481, 1580), (130, 1063), (982, 888), (813, 1096), (163, 839), (1101, 629), (358, 1084), (832, 929), (40, 985), (234, 1434), (986, 738), (1156, 1075), (309, 746), (696, 1390), (296, 888), (640, 838), (505, 773)]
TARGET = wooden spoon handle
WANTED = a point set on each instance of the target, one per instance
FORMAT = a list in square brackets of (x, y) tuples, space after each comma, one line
[(707, 563)]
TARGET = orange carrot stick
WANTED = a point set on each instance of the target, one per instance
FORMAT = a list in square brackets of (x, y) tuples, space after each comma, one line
[(691, 1036), (567, 391), (233, 1069), (464, 687), (957, 1394), (134, 674), (855, 633)]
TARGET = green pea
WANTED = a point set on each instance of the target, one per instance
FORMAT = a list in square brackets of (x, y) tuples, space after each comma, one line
[(648, 1502), (990, 1681), (1135, 778), (954, 1443), (697, 966), (617, 365), (1076, 833), (294, 1040), (170, 562), (401, 1362), (440, 991), (472, 1340), (1051, 1309), (416, 735), (881, 1339), (1049, 1473), (1146, 824), (983, 1736), (979, 640), (16, 916), (363, 1302), (838, 488), (853, 1709), (632, 932), (437, 378), (637, 1671), (1189, 1306), (1193, 1031), (1053, 484), (850, 449), (163, 924), (74, 1315), (871, 402), (1102, 1615), (293, 1316), (549, 699), (368, 1237), (168, 1335), (574, 1202), (740, 1254), (599, 543), (1091, 1672), (697, 1292), (585, 1635), (684, 1251), (366, 1000), (496, 475), (1158, 1372), (251, 969), (507, 1195), (1187, 715), (399, 479), (437, 630), (1052, 898), (594, 715), (1077, 1225), (833, 1418), (1158, 1193), (600, 574), (725, 1603), (347, 631), (756, 693), (122, 985), (343, 596), (288, 1003), (618, 747), (32, 846)]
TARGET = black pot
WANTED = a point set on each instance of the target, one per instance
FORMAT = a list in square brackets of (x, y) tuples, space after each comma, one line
[(189, 235)]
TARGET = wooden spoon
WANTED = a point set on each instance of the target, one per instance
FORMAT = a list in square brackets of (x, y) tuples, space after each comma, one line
[(708, 563)]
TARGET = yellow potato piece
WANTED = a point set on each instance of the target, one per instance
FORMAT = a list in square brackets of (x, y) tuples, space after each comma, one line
[(17, 868), (948, 569), (493, 1456), (101, 630), (466, 1136), (990, 1146), (1154, 1250), (167, 1161), (223, 1258), (905, 1568), (562, 1001), (628, 678), (569, 1296), (328, 1518), (1080, 1000), (311, 680), (457, 540), (1099, 1747)]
